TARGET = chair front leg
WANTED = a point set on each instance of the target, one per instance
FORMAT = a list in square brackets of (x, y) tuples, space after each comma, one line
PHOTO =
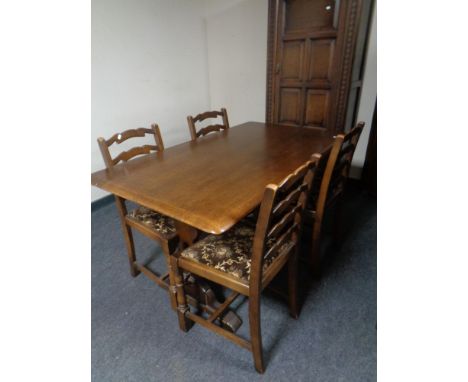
[(293, 285), (255, 330), (172, 283), (338, 226), (128, 236), (314, 260), (177, 284)]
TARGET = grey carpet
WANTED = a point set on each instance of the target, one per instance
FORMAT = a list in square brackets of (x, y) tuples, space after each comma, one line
[(135, 335)]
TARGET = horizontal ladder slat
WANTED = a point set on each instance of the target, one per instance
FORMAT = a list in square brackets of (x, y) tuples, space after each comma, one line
[(121, 137), (208, 114), (278, 227), (293, 178), (152, 276), (293, 197), (127, 155), (209, 129), (280, 241), (220, 309), (218, 330)]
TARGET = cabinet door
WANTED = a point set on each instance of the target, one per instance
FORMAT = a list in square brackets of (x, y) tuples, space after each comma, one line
[(310, 52)]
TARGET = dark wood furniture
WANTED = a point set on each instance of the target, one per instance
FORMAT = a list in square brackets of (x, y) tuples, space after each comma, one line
[(207, 129), (149, 222), (328, 187), (315, 51), (212, 183), (247, 257)]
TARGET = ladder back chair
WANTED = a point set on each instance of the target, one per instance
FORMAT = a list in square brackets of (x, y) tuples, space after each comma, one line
[(150, 223), (328, 187), (208, 129), (246, 258)]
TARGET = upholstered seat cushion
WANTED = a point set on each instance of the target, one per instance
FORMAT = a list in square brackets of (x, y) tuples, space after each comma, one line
[(229, 252), (154, 220)]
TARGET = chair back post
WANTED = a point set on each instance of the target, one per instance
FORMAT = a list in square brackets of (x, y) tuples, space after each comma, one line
[(193, 131), (105, 153), (321, 160), (263, 222), (225, 118), (353, 137), (157, 137), (280, 218), (327, 176)]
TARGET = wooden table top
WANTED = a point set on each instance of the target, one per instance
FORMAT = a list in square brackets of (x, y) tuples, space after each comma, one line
[(215, 181)]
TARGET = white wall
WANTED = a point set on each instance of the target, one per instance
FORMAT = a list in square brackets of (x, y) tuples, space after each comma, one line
[(149, 64), (368, 97), (161, 60), (237, 54)]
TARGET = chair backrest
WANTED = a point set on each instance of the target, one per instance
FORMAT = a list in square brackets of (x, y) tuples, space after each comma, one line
[(333, 168), (129, 154), (279, 219), (208, 129)]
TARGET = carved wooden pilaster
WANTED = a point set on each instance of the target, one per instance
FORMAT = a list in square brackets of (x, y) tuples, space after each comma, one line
[(350, 36), (272, 22)]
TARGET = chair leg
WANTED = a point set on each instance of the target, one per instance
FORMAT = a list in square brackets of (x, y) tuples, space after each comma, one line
[(177, 284), (172, 291), (338, 225), (130, 250), (127, 231), (315, 250), (292, 285), (255, 330)]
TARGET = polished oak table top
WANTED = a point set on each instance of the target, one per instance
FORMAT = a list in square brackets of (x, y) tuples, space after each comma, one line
[(215, 181)]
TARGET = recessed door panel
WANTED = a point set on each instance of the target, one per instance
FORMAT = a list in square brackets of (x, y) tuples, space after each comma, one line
[(321, 59), (293, 58), (290, 106), (316, 107)]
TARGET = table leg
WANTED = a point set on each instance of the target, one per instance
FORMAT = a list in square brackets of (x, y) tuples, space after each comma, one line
[(198, 290), (201, 296), (187, 234)]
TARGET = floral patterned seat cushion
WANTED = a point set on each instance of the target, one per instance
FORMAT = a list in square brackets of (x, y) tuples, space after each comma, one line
[(229, 252), (154, 220)]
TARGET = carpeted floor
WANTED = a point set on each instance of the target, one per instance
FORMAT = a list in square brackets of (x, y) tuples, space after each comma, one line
[(135, 335)]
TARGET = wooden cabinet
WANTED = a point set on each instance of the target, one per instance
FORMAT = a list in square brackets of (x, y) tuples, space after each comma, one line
[(311, 56)]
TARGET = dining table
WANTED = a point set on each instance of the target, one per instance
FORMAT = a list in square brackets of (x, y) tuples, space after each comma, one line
[(211, 183)]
